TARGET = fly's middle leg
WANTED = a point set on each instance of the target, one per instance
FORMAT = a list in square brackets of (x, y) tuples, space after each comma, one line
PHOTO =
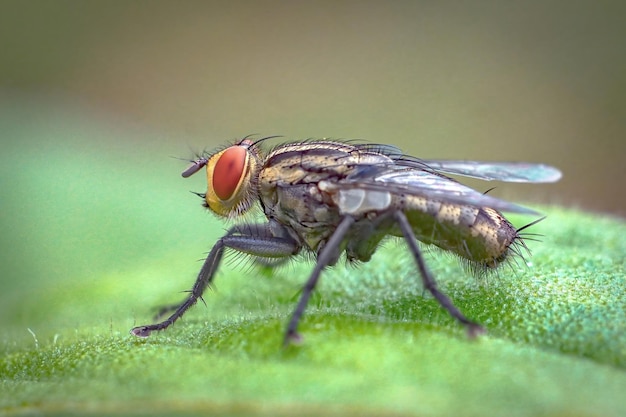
[(428, 280), (325, 257), (255, 240)]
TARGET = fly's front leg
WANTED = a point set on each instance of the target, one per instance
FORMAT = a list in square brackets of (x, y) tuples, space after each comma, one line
[(327, 255), (261, 231), (430, 284), (255, 240)]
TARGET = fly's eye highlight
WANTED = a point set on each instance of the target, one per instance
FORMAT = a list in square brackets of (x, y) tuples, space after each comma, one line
[(229, 171)]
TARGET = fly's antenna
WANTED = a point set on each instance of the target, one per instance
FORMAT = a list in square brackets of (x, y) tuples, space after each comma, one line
[(195, 166)]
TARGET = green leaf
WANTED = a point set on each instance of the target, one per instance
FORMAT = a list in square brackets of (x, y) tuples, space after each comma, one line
[(96, 239)]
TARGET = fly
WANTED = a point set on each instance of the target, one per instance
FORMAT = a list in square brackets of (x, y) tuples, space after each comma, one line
[(329, 197)]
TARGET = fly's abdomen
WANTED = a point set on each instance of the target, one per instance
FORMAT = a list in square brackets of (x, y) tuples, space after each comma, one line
[(480, 235)]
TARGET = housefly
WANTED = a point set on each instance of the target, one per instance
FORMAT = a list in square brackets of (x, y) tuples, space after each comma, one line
[(330, 197)]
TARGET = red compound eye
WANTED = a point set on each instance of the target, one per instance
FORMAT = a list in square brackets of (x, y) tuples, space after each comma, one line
[(228, 171)]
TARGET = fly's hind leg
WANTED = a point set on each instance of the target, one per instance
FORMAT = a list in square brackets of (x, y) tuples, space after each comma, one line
[(256, 240), (473, 329)]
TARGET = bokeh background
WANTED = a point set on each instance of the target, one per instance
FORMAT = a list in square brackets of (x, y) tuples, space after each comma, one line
[(96, 96), (528, 80)]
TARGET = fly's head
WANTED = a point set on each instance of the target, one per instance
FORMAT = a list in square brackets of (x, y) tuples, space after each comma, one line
[(231, 178)]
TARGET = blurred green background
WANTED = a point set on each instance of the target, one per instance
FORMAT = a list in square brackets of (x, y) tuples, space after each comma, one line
[(95, 98), (528, 80)]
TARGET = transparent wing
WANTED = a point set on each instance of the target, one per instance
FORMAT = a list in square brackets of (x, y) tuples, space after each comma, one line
[(484, 170), (421, 183), (499, 171)]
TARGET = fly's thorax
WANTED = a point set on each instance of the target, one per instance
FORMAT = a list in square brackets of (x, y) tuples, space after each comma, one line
[(322, 165), (315, 161), (306, 212), (232, 179), (292, 186)]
